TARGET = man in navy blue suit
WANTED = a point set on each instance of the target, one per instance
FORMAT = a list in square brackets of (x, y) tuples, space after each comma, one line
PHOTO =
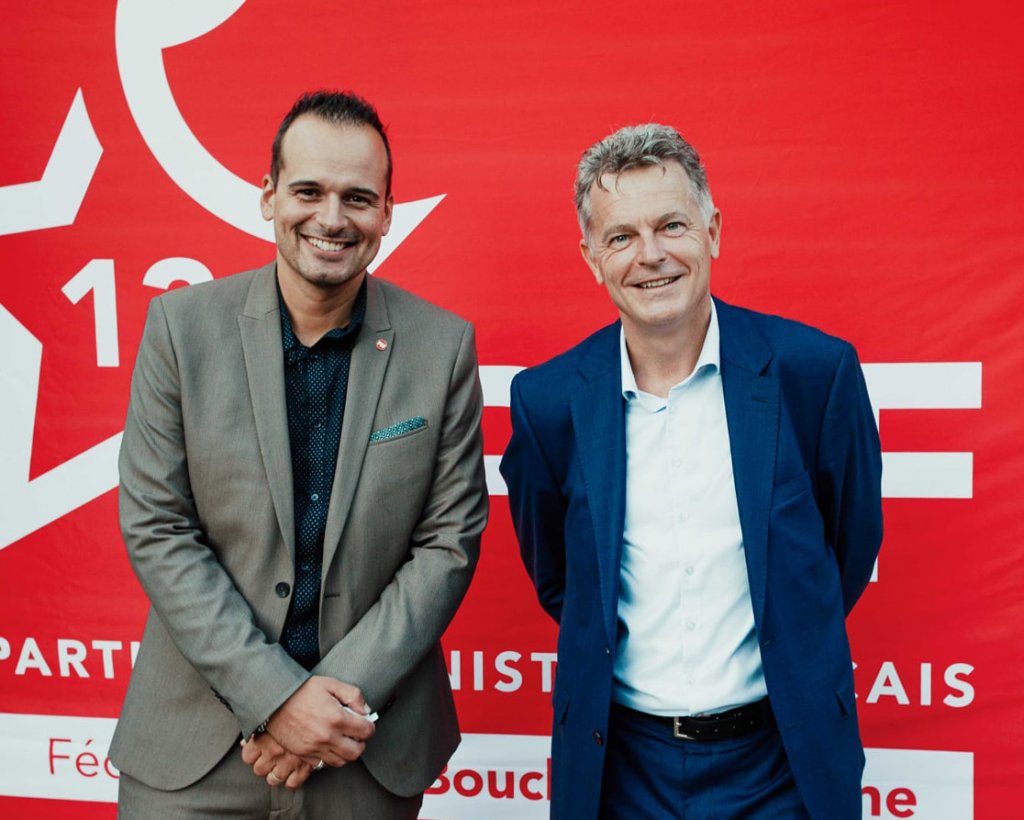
[(696, 493)]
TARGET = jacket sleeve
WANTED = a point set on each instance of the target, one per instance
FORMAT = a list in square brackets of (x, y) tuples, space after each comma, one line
[(208, 619), (849, 477), (537, 506)]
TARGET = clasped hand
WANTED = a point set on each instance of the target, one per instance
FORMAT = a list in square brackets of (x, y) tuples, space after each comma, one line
[(310, 727)]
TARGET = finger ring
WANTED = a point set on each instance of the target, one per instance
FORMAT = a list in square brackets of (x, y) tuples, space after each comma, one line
[(318, 766), (277, 780)]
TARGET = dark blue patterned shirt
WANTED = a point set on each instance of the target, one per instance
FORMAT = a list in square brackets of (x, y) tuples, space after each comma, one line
[(316, 382)]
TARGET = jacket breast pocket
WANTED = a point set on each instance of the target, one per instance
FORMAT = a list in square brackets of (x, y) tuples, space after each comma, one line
[(398, 432), (402, 464)]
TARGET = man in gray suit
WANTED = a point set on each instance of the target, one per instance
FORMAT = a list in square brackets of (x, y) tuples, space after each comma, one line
[(302, 497)]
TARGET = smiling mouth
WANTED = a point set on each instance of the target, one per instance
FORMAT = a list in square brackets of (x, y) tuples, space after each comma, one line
[(331, 246), (658, 283)]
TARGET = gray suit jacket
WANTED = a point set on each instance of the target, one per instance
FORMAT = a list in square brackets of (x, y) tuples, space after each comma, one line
[(206, 513)]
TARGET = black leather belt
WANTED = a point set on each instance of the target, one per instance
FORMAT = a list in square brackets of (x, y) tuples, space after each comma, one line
[(720, 726)]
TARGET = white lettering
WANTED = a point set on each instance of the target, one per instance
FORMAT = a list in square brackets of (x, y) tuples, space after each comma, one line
[(925, 386), (547, 661), (514, 678), (98, 276), (496, 382), (926, 684), (455, 669), (107, 649), (166, 272), (32, 658), (70, 654), (512, 671), (958, 684), (478, 671), (888, 683)]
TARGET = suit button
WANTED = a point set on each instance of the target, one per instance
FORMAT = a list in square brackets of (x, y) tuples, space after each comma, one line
[(282, 590), (598, 738)]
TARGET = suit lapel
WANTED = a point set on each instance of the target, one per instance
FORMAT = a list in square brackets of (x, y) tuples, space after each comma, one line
[(370, 357), (260, 328), (599, 422), (752, 414)]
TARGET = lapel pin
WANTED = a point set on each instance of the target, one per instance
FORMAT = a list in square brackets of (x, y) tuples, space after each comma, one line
[(382, 344)]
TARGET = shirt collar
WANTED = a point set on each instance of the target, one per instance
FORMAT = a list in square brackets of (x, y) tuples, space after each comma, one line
[(710, 357), (292, 345)]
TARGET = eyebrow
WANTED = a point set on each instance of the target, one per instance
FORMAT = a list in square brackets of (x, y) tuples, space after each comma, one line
[(674, 216), (615, 230)]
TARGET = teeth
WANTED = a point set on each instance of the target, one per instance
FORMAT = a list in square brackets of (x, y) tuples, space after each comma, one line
[(324, 245), (657, 283)]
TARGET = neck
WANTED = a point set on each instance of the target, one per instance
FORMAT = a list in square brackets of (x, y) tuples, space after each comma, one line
[(314, 310), (663, 357)]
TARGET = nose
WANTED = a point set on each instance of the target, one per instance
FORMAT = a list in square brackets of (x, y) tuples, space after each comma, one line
[(331, 214), (649, 250)]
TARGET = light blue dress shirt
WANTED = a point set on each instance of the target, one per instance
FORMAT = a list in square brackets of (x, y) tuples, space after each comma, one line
[(686, 640)]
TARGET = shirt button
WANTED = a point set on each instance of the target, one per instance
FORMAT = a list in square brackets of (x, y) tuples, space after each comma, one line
[(690, 625), (688, 570), (677, 462), (315, 497), (305, 567), (282, 590), (683, 518), (598, 738)]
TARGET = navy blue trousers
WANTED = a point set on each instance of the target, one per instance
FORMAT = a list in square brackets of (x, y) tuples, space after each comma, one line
[(651, 775)]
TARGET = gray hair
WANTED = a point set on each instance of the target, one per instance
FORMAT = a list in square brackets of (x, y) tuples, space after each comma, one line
[(639, 146)]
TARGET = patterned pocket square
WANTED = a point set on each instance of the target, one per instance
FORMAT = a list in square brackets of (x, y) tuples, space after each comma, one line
[(400, 429)]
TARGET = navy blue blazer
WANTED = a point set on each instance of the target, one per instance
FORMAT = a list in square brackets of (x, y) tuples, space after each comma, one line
[(807, 467)]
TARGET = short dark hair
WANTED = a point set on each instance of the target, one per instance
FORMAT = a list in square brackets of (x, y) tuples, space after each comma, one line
[(336, 107)]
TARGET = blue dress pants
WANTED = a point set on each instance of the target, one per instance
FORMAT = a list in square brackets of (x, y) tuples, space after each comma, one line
[(651, 775)]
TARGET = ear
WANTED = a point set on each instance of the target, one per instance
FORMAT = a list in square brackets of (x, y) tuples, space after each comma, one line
[(588, 257), (715, 232), (389, 206), (267, 198)]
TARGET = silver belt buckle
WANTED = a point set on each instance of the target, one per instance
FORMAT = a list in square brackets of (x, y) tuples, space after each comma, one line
[(677, 732)]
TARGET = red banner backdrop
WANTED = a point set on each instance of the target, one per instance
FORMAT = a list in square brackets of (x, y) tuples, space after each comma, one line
[(867, 161)]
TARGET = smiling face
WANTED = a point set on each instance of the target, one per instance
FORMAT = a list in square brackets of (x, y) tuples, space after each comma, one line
[(330, 206), (650, 248)]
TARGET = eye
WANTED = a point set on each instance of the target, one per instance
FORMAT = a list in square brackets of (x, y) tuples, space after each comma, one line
[(307, 193), (357, 199), (675, 228), (618, 240)]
